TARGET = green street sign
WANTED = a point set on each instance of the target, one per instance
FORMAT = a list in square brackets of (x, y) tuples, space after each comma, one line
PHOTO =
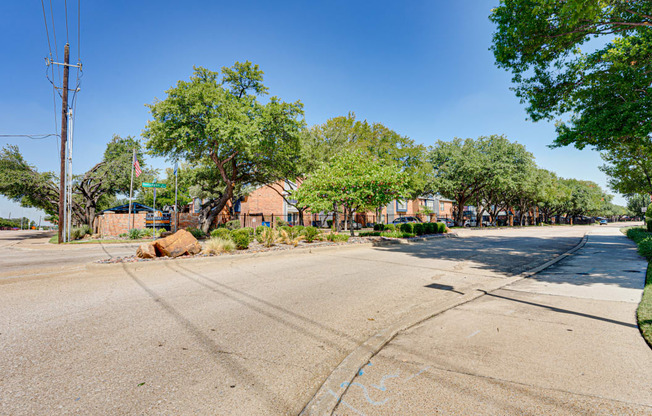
[(153, 185)]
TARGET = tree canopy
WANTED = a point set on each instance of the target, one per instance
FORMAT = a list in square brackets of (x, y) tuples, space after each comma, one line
[(219, 124), (605, 91), (21, 182), (353, 182)]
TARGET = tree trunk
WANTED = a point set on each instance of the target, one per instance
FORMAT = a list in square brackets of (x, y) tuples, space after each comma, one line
[(351, 222), (212, 209), (336, 217)]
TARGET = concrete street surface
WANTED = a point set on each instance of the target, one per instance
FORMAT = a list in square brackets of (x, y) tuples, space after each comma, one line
[(242, 335), (562, 342)]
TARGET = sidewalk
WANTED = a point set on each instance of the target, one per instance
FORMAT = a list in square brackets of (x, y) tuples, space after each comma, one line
[(562, 342)]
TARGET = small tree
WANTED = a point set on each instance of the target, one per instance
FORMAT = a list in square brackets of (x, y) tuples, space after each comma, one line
[(354, 183)]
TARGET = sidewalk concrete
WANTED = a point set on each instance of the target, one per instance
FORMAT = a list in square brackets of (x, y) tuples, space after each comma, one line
[(562, 342)]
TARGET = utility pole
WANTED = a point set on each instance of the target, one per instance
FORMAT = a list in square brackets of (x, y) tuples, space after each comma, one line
[(64, 136)]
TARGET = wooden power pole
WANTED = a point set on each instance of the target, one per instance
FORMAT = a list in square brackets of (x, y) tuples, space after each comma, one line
[(64, 136)]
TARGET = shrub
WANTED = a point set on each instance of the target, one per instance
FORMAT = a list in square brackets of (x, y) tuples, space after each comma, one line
[(648, 224), (419, 229), (233, 225), (645, 248), (299, 228), (431, 228), (338, 238), (267, 237), (148, 232), (370, 234), (241, 239), (196, 232), (222, 233), (310, 234), (378, 227), (407, 228), (259, 230), (217, 245), (441, 228), (135, 233), (123, 235), (389, 227), (396, 234), (281, 223), (79, 232), (637, 234), (250, 231), (292, 232)]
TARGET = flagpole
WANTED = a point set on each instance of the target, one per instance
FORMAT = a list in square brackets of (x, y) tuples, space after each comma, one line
[(131, 188), (176, 207)]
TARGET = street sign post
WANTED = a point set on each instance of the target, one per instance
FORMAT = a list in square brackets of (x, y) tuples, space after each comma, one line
[(153, 185)]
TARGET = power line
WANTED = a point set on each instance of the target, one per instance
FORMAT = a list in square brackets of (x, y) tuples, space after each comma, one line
[(54, 33), (78, 29), (47, 33), (65, 8), (31, 136)]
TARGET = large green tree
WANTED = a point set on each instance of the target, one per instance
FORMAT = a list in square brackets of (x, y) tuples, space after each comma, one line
[(346, 134), (603, 91), (353, 182), (468, 170), (636, 203), (215, 121), (21, 182), (629, 167), (111, 176)]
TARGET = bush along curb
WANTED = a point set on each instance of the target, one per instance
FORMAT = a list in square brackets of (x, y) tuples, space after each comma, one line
[(643, 240)]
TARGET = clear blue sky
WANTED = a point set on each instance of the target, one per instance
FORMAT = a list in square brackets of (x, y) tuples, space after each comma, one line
[(422, 68)]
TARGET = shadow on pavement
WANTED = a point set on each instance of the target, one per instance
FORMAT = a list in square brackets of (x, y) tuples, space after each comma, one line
[(221, 356), (501, 254), (606, 259), (514, 255), (560, 310)]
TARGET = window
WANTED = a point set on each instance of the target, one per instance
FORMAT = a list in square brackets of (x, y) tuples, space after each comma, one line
[(401, 205)]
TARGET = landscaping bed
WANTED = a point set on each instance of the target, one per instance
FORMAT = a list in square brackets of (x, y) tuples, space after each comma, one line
[(254, 247), (225, 242)]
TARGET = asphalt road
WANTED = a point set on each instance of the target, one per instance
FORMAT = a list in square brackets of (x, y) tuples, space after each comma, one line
[(225, 336)]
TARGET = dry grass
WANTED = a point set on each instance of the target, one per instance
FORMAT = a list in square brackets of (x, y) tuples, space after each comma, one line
[(218, 245)]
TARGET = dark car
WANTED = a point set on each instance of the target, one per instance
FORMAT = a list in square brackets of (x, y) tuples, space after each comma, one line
[(603, 222), (405, 220), (449, 223)]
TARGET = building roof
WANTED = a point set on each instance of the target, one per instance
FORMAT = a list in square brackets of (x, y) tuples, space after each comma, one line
[(123, 209)]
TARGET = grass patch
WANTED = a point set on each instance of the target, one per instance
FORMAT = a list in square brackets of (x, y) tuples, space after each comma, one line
[(644, 312)]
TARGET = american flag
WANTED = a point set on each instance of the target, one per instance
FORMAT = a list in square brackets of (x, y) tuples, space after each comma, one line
[(137, 166)]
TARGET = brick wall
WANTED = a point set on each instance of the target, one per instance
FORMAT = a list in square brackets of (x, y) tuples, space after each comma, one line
[(110, 225), (186, 220), (264, 200)]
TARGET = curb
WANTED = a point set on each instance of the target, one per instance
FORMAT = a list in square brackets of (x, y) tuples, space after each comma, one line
[(331, 391), (234, 257)]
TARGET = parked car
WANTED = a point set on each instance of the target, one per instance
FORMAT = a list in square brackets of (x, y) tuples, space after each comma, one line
[(356, 225), (449, 223), (474, 223), (603, 222), (404, 220)]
